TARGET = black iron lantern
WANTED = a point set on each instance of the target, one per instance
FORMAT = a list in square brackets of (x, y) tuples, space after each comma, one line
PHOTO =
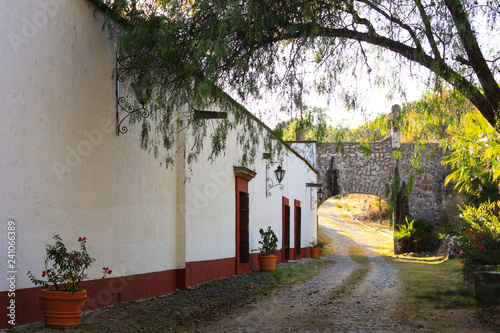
[(280, 174), (320, 194)]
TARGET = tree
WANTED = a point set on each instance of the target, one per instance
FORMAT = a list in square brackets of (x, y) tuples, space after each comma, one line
[(310, 126), (431, 118), (251, 46), (474, 157)]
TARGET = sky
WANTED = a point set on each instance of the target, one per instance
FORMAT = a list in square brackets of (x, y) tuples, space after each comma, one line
[(373, 100)]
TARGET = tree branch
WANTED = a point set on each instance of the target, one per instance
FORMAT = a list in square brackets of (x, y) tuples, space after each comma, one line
[(428, 29), (411, 53), (476, 59), (395, 20)]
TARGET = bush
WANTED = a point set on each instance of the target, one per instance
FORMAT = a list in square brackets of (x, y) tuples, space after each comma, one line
[(413, 232), (269, 242), (478, 242)]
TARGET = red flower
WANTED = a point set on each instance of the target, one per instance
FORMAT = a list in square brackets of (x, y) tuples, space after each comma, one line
[(78, 261), (43, 274), (79, 239), (70, 255), (109, 272)]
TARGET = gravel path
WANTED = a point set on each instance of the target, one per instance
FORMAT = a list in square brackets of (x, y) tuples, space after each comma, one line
[(347, 297)]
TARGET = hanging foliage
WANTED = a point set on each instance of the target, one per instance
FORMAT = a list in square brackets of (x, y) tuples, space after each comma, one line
[(188, 52)]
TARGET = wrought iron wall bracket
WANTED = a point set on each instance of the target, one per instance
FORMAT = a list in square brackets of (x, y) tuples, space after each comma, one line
[(269, 180), (124, 110), (129, 110), (312, 199)]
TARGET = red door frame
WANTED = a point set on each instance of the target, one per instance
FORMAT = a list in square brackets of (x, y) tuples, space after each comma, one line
[(286, 202), (241, 184), (296, 232)]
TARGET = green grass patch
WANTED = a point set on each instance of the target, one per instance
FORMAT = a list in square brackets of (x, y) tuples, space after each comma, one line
[(324, 237), (356, 253), (285, 275), (432, 289), (358, 256), (296, 273)]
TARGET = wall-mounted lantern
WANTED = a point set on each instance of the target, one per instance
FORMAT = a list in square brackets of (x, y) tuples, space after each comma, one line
[(279, 174), (320, 194)]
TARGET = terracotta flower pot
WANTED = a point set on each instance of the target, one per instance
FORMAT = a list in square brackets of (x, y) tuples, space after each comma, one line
[(316, 253), (267, 263), (61, 309)]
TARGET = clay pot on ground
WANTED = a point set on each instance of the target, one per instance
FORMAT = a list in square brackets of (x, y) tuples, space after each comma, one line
[(316, 253), (267, 263), (61, 309)]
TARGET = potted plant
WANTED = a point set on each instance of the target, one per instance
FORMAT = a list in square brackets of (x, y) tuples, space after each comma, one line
[(268, 250), (317, 247), (61, 299)]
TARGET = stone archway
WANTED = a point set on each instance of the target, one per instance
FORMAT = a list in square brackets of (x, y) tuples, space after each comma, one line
[(383, 169), (350, 168)]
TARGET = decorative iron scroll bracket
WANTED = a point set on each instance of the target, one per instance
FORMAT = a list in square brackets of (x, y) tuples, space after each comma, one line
[(269, 179), (313, 187), (123, 108), (313, 200)]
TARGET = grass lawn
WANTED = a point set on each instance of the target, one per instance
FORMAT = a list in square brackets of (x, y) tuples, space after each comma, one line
[(434, 293)]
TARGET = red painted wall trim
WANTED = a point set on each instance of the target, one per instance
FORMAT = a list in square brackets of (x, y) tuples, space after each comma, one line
[(113, 290), (286, 202), (296, 203), (202, 271)]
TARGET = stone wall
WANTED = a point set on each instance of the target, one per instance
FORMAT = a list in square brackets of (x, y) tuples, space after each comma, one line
[(349, 168)]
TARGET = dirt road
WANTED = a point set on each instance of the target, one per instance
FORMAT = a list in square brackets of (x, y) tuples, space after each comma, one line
[(357, 294)]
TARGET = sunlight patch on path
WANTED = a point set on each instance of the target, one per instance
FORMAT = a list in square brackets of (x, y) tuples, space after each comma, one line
[(343, 225)]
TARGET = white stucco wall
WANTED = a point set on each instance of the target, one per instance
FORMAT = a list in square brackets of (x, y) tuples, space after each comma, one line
[(63, 169), (211, 223)]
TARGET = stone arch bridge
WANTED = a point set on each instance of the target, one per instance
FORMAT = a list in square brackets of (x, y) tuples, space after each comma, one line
[(371, 169)]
